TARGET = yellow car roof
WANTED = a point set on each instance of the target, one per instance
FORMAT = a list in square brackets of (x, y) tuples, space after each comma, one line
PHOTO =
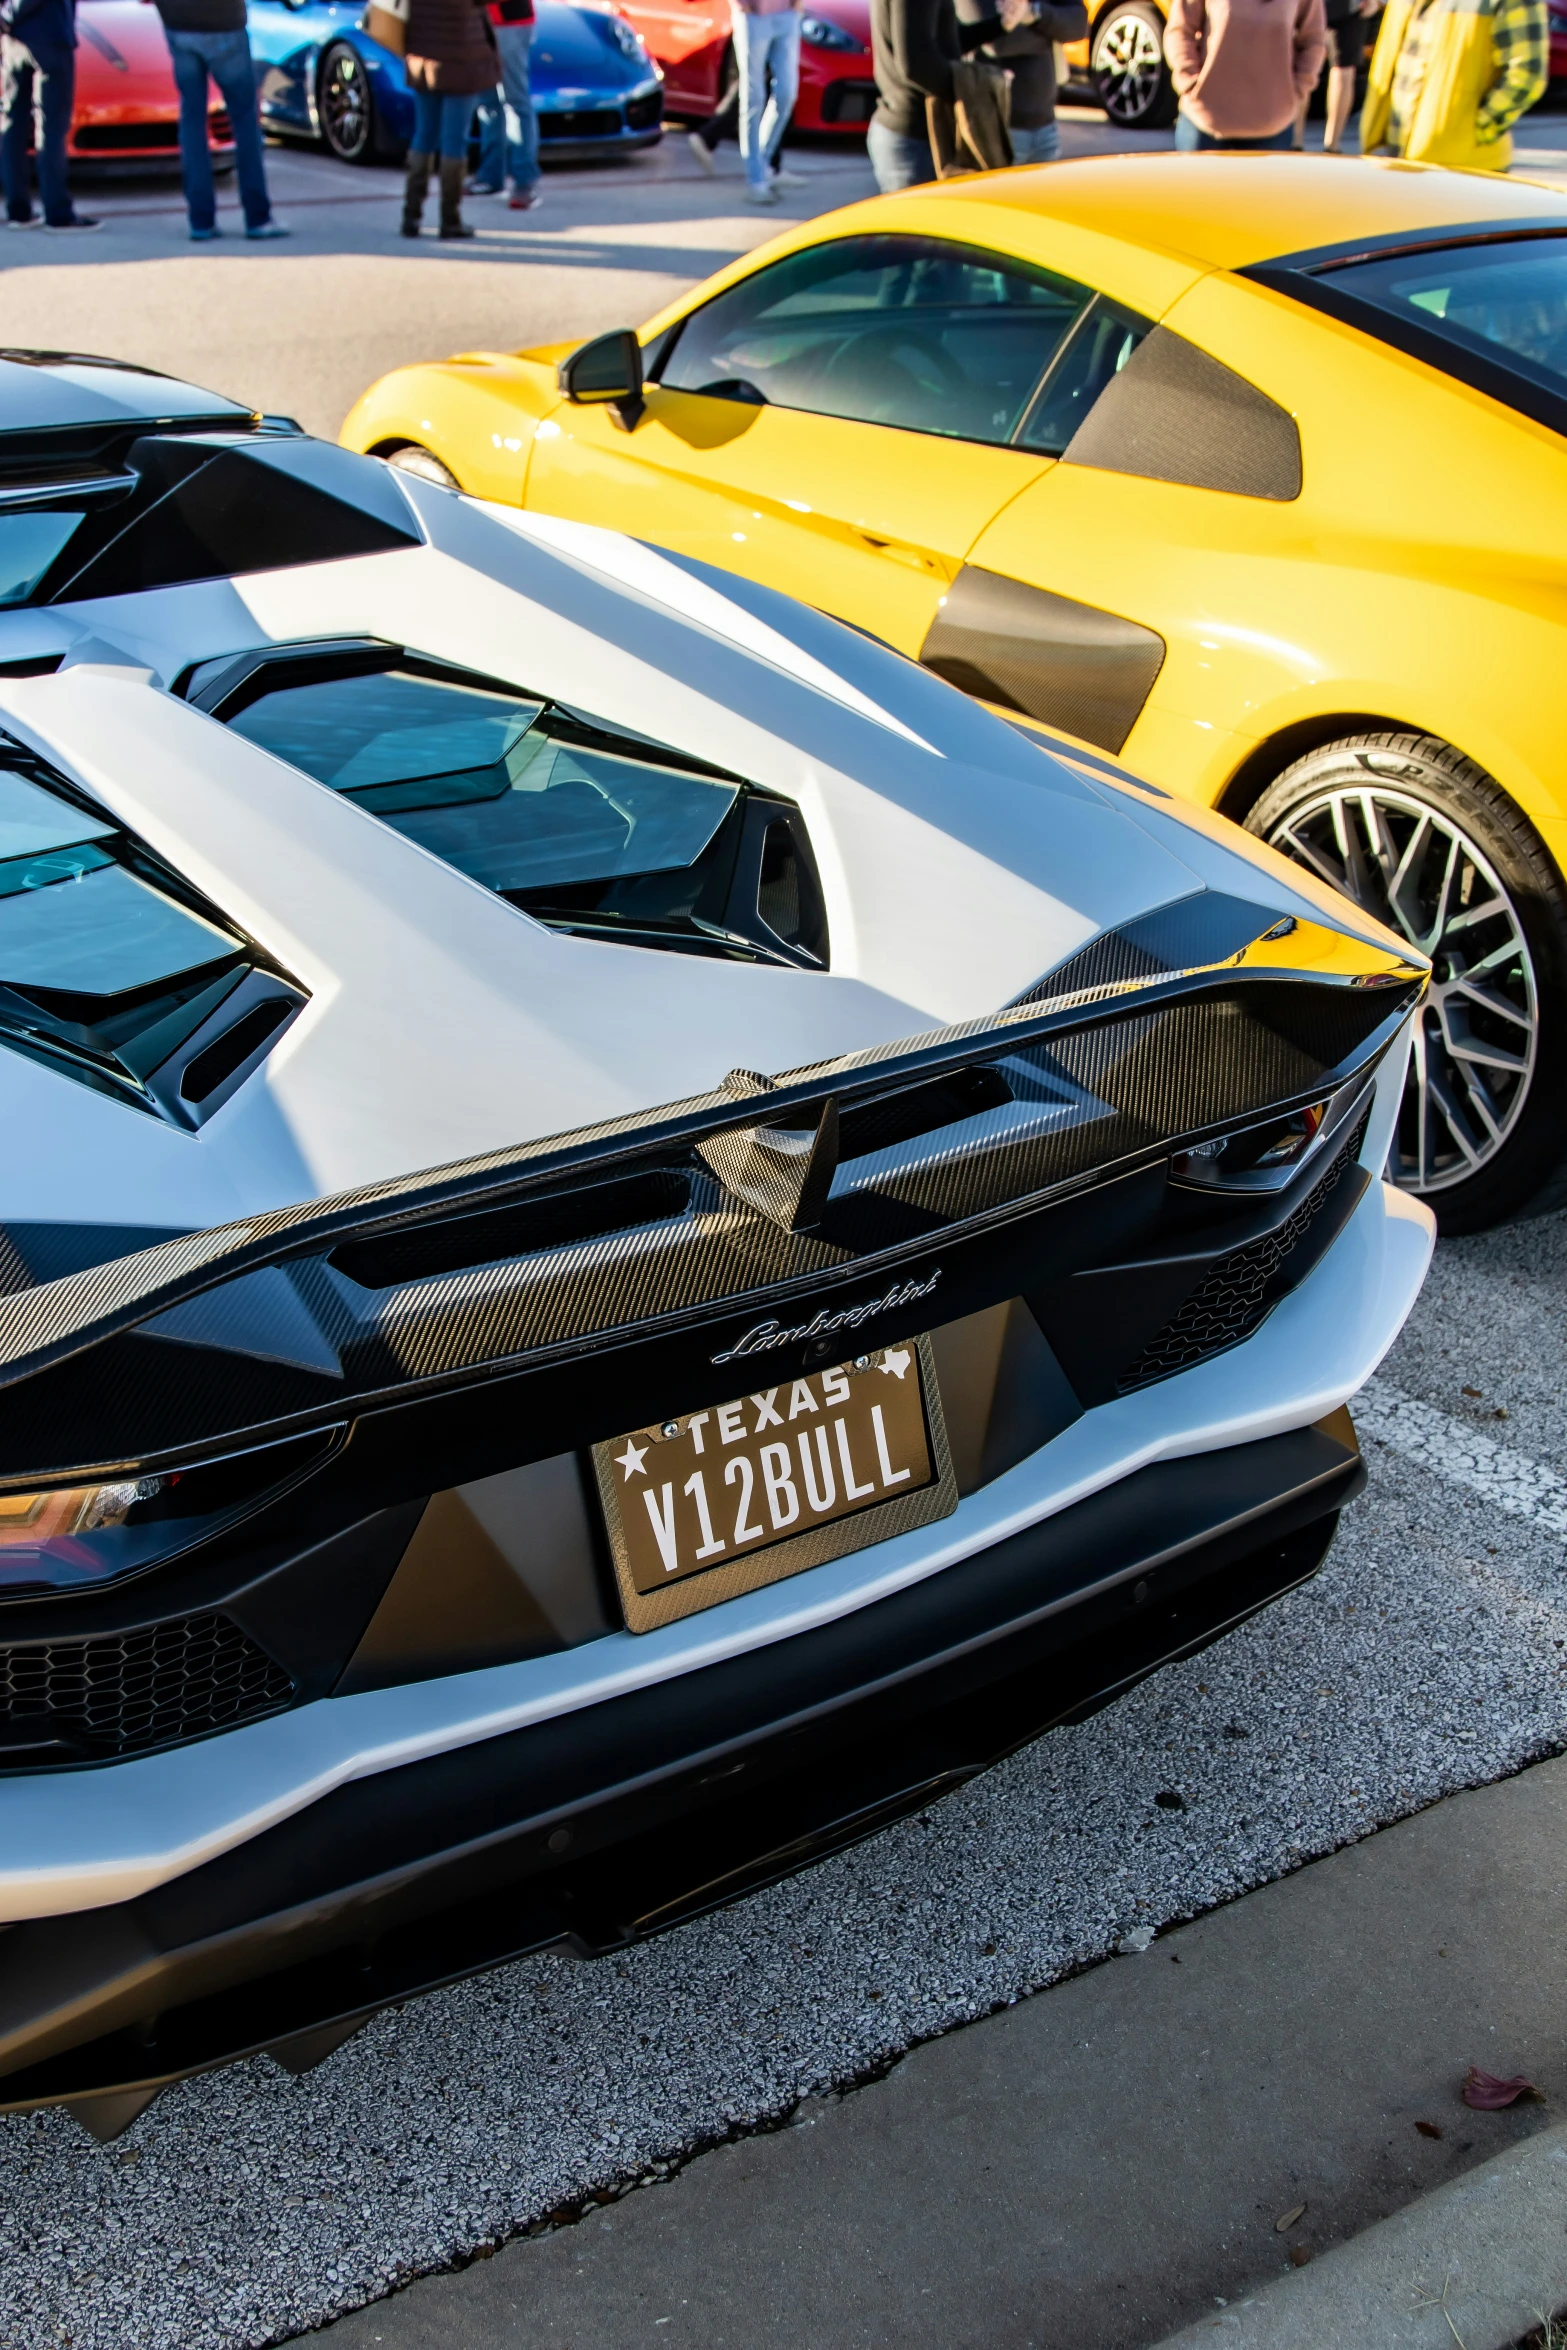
[(1227, 211)]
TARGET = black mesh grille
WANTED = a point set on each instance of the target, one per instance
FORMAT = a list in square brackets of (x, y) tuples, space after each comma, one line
[(1230, 1301), (128, 1692)]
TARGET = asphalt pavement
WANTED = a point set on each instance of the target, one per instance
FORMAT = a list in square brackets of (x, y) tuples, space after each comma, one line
[(1429, 1657)]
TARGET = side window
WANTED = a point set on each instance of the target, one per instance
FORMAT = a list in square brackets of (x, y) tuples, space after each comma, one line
[(1105, 340), (899, 330)]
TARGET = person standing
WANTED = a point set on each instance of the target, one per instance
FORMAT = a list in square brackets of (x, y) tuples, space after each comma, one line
[(724, 123), (207, 42), (450, 61), (1447, 82), (766, 36), (1029, 55), (38, 81), (508, 125), (1346, 48), (915, 44), (1242, 69)]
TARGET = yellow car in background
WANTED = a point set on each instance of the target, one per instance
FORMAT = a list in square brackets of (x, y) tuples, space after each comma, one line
[(1248, 470)]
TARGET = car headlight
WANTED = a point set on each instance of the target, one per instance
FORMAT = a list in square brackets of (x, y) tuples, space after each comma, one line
[(627, 39), (818, 32)]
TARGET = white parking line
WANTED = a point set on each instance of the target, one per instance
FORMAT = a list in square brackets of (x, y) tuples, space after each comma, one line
[(1514, 1482)]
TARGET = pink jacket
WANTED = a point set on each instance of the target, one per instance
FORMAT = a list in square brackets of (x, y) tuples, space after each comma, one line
[(1241, 67)]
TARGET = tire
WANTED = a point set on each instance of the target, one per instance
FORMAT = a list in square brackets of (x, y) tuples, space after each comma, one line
[(1424, 839), (1127, 68), (410, 458), (345, 105)]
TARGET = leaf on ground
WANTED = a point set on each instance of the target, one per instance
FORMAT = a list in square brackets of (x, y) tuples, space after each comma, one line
[(1488, 2093), (1287, 2219), (1428, 2129), (1299, 2255)]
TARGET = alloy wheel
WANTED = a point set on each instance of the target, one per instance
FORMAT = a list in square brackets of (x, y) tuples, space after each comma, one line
[(1475, 1044), (1128, 69), (345, 104)]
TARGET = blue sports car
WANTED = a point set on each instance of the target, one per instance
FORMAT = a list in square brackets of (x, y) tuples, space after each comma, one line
[(596, 89)]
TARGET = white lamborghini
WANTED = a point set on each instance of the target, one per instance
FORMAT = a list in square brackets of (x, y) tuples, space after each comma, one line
[(633, 1235)]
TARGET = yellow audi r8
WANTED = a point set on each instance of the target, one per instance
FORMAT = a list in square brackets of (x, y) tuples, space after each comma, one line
[(1248, 470)]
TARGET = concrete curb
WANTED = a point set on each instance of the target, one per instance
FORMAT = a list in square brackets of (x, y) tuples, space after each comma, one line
[(1475, 2264)]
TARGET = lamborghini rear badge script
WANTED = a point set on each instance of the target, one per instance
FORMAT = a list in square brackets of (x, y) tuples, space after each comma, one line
[(762, 1337)]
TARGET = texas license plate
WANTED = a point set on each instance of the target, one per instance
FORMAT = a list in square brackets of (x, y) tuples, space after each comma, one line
[(703, 1507)]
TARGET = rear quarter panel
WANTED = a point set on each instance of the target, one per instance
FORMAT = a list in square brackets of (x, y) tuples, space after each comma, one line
[(1420, 576)]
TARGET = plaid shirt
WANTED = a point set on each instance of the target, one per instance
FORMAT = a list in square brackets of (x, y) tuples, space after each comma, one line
[(1520, 39)]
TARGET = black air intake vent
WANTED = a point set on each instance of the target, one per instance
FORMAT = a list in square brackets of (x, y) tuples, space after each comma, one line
[(922, 1109), (130, 1692), (1234, 1298), (520, 1230)]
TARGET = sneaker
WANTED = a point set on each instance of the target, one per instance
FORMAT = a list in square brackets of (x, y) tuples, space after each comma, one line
[(33, 220), (268, 229), (702, 155), (789, 179), (204, 236), (768, 195), (78, 221), (483, 188), (451, 229), (525, 199)]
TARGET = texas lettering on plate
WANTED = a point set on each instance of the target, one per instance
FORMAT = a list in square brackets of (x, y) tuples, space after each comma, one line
[(706, 1489)]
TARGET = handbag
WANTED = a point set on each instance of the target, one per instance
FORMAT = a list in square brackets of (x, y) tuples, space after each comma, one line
[(386, 21), (971, 131)]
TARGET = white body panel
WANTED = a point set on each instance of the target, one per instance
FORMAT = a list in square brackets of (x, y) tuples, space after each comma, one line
[(154, 1818)]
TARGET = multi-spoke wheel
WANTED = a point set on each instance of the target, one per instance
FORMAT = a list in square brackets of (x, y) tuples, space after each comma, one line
[(1127, 64), (1424, 840), (345, 105)]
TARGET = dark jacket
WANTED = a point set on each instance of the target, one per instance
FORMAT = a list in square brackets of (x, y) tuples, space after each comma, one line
[(914, 43), (451, 48), (1029, 56), (202, 16), (45, 27)]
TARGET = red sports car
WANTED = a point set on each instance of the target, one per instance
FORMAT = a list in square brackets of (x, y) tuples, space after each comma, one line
[(127, 109), (690, 40)]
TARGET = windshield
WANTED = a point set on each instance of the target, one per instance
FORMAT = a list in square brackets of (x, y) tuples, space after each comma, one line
[(1506, 301)]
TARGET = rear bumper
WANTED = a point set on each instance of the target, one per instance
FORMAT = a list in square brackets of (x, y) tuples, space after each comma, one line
[(610, 1823)]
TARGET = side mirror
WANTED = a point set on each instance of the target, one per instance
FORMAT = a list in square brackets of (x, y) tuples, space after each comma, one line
[(606, 372)]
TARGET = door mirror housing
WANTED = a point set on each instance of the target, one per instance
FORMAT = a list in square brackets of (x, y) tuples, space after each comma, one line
[(606, 373)]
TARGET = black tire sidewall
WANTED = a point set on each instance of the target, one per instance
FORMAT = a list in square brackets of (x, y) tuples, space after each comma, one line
[(1460, 791)]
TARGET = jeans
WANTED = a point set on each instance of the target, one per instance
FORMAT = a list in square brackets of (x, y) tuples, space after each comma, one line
[(1190, 140), (442, 121), (46, 87), (508, 126), (767, 48), (225, 58), (1040, 145), (898, 160)]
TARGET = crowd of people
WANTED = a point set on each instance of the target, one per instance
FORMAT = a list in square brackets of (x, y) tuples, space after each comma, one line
[(961, 85)]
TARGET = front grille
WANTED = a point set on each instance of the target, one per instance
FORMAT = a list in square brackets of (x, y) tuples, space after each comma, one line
[(124, 137), (588, 122), (1231, 1301), (643, 113), (128, 1692)]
